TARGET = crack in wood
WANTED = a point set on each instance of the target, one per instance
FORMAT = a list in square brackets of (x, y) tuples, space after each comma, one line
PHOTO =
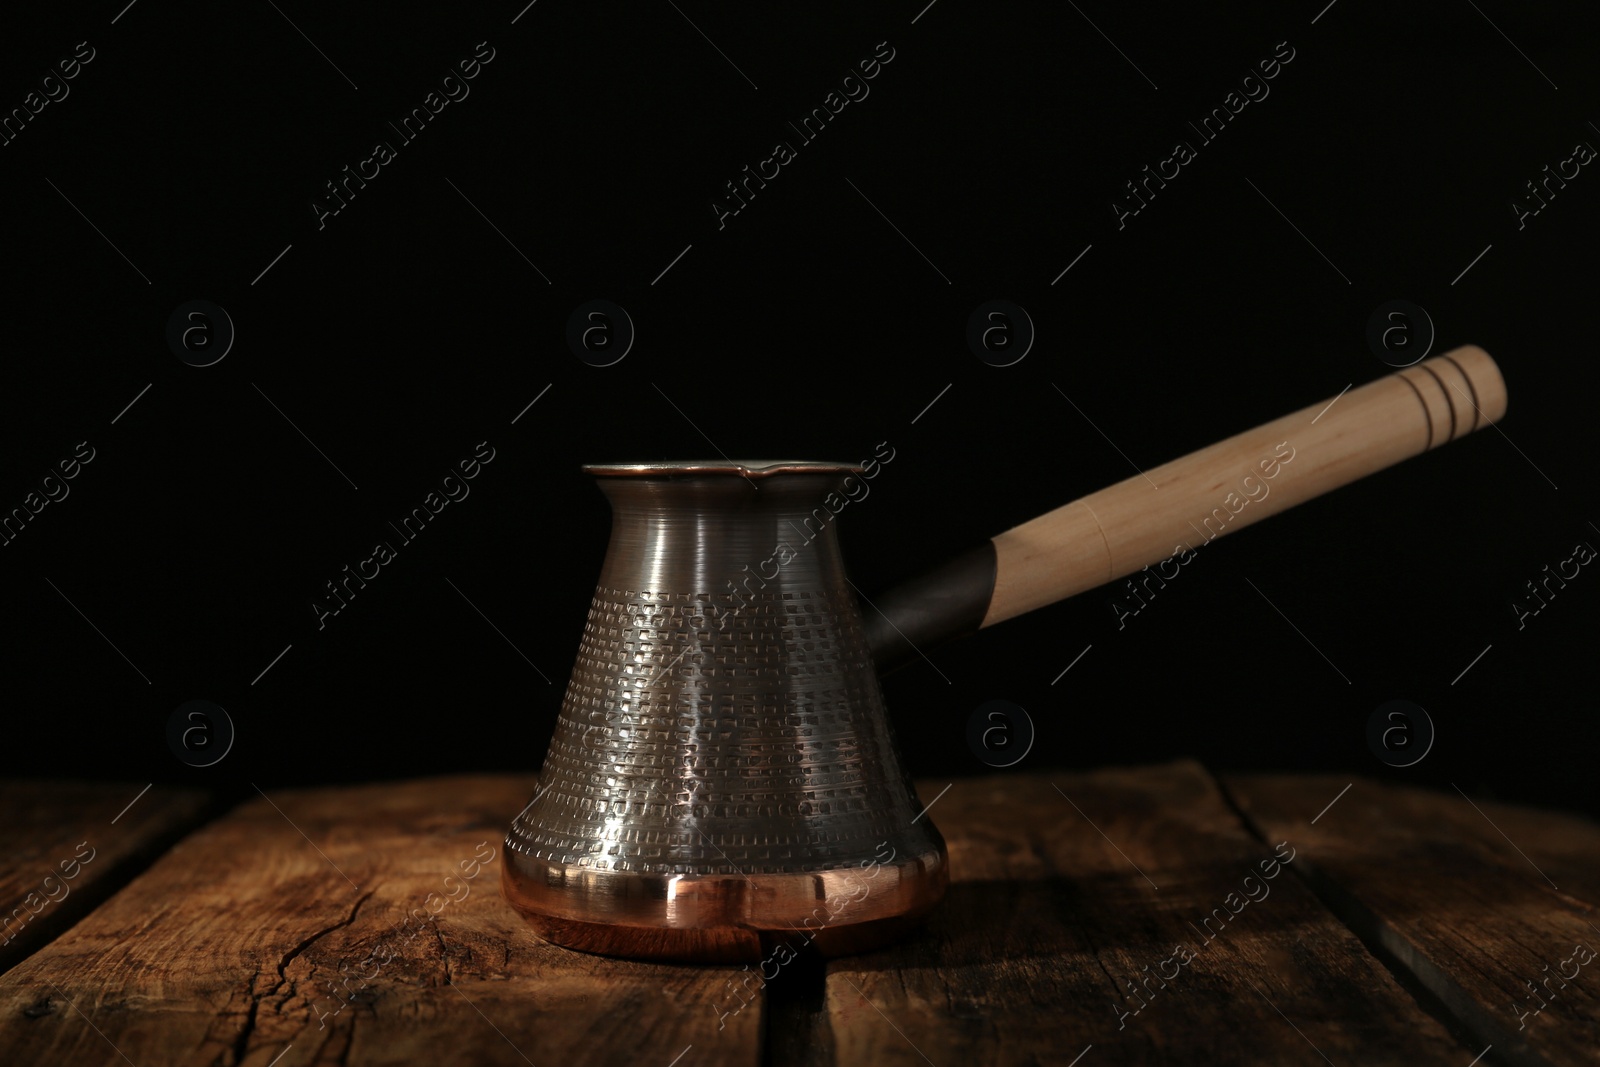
[(241, 1044)]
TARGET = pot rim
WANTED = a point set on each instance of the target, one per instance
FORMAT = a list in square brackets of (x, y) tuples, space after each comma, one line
[(738, 468)]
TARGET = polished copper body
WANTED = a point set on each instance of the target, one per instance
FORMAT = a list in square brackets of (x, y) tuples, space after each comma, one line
[(723, 777)]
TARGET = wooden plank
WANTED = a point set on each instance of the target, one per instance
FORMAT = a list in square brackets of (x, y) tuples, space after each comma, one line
[(1478, 900), (1563, 847), (69, 845), (225, 950), (1060, 900)]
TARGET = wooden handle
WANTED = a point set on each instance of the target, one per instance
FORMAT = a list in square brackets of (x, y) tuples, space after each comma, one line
[(1188, 502)]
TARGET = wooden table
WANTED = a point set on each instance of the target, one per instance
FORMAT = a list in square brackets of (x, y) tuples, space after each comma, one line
[(1147, 915)]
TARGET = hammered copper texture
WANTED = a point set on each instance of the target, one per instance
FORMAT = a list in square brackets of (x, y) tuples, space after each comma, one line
[(715, 732)]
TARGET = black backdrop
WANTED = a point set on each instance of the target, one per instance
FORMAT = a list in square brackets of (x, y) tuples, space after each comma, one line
[(384, 342)]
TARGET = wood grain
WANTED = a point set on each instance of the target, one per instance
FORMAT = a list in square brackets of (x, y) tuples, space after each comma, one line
[(223, 953), (1475, 899), (67, 846), (280, 930), (1062, 896)]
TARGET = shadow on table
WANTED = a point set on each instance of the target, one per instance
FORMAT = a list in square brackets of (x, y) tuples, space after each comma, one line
[(982, 922)]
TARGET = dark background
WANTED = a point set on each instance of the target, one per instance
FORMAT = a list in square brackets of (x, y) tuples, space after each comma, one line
[(407, 330)]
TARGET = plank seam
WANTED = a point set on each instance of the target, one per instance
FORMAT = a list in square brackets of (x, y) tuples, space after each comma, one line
[(119, 876), (1433, 991)]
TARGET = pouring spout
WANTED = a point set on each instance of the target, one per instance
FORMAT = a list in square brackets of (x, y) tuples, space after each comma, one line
[(945, 603)]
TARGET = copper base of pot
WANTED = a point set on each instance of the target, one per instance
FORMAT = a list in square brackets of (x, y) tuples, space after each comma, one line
[(724, 918)]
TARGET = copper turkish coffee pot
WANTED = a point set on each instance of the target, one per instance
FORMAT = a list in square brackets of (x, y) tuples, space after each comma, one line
[(723, 778)]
